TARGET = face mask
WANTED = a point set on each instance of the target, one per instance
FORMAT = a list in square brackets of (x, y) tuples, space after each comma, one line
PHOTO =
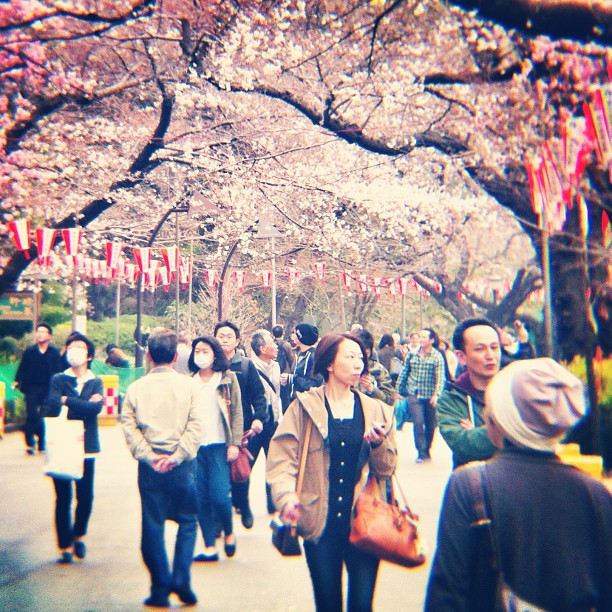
[(76, 357), (203, 362)]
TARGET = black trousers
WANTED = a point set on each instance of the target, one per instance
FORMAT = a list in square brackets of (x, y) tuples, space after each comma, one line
[(325, 561), (240, 490), (33, 427), (66, 529)]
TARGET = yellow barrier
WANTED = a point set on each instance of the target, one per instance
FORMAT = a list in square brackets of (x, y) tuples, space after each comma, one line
[(591, 464), (2, 407), (110, 409)]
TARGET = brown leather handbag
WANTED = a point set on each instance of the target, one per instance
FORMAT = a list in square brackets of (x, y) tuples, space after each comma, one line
[(385, 530), (240, 470)]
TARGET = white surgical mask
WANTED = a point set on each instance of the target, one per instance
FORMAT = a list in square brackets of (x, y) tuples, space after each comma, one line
[(203, 362), (76, 356)]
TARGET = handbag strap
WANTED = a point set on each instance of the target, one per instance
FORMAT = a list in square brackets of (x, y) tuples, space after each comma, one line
[(300, 477)]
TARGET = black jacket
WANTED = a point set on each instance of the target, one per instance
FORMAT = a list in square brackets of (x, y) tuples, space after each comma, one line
[(553, 530), (36, 369), (79, 406), (254, 405), (302, 378)]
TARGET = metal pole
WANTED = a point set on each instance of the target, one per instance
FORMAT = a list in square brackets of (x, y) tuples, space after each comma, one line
[(403, 315), (273, 287), (177, 294), (74, 298), (548, 342), (117, 311), (190, 299)]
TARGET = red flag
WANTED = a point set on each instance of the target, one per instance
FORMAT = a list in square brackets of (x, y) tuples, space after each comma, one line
[(143, 258), (211, 278), (170, 255), (113, 252)]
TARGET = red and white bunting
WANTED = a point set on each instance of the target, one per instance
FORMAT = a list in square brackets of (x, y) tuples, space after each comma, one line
[(143, 258), (44, 243), (72, 240), (403, 285), (113, 252), (87, 267), (266, 279), (151, 275), (392, 286), (120, 273), (319, 267), (240, 278), (605, 229), (292, 276), (95, 270), (130, 274), (164, 275), (377, 282), (184, 271), (170, 256), (362, 283), (346, 280), (21, 234), (599, 123), (210, 276)]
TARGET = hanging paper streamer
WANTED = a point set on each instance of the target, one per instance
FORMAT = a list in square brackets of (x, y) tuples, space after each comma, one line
[(240, 278), (21, 234), (319, 267), (72, 240), (184, 271), (170, 256), (210, 276), (130, 274), (292, 276), (143, 258), (605, 229), (151, 276), (44, 243), (346, 280), (362, 283), (403, 285), (164, 275), (266, 279), (113, 252)]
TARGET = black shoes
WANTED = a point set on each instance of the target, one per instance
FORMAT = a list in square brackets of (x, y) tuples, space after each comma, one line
[(157, 601), (185, 594), (80, 550), (230, 549), (202, 558), (246, 516), (65, 557)]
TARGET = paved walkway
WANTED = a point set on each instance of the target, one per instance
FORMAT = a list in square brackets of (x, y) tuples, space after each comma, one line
[(113, 577)]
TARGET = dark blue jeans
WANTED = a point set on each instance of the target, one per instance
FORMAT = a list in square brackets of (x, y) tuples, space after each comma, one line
[(325, 560), (214, 491), (170, 496), (423, 416), (66, 530)]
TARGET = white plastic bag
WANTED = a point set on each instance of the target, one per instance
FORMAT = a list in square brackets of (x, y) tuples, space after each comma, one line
[(65, 448)]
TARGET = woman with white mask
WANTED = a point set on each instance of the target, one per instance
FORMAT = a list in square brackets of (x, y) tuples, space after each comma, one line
[(222, 435), (81, 392)]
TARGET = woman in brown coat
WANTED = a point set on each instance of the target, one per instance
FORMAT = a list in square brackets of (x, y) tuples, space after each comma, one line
[(352, 436)]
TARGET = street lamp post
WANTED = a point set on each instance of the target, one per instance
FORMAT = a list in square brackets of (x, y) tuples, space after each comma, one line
[(267, 229), (184, 208)]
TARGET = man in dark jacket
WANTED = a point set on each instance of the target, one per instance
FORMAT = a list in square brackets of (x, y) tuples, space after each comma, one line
[(286, 362), (39, 363), (305, 337), (459, 409), (254, 405)]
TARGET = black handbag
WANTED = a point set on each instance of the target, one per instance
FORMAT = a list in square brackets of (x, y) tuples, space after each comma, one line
[(284, 535)]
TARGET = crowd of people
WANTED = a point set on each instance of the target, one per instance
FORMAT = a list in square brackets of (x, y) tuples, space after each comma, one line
[(342, 396)]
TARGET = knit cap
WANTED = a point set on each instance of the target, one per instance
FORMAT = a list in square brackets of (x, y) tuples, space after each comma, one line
[(535, 402), (307, 334)]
